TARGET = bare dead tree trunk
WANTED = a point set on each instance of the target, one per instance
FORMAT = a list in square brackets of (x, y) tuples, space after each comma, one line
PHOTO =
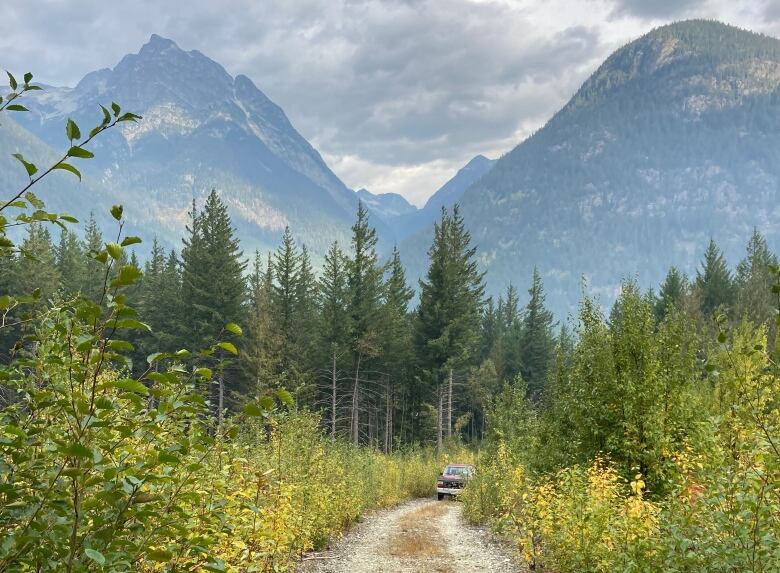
[(386, 447), (372, 415), (449, 407), (440, 419), (221, 403), (356, 405), (403, 417), (333, 398)]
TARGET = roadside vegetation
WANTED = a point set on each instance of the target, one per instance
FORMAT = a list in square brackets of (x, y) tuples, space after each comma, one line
[(654, 448), (190, 413)]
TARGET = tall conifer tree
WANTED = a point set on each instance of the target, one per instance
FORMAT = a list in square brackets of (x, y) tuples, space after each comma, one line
[(334, 328), (213, 288), (714, 281), (537, 343), (754, 281), (364, 288), (71, 262)]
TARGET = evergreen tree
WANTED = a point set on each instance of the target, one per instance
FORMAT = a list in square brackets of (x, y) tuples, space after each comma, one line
[(671, 293), (213, 288), (537, 343), (284, 298), (509, 361), (305, 317), (71, 262), (37, 266), (159, 301), (714, 281), (334, 327), (754, 281), (448, 317), (396, 336), (490, 329), (260, 355), (364, 290), (92, 285)]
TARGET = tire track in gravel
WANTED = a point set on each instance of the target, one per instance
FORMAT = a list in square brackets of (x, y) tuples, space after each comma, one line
[(421, 536)]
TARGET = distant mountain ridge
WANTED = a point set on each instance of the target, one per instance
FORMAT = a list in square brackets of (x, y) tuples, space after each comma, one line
[(387, 206), (674, 139), (201, 129), (405, 219)]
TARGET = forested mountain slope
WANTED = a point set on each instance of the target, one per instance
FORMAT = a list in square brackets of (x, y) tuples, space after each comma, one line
[(674, 139)]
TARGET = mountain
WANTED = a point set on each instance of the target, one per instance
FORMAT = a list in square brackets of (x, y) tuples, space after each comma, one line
[(407, 224), (386, 206), (673, 140), (201, 129), (451, 192)]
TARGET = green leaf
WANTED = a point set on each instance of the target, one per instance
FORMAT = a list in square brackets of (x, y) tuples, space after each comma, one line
[(96, 556), (72, 130), (132, 325), (115, 108), (78, 451), (230, 347), (68, 167), (28, 78), (32, 198), (29, 167), (204, 373), (127, 241), (129, 117), (121, 346), (154, 357), (267, 403), (115, 250), (128, 274), (116, 212), (160, 555), (285, 397), (16, 107), (68, 218), (5, 302), (130, 385), (721, 337), (11, 81), (253, 409), (106, 115), (234, 328), (80, 153)]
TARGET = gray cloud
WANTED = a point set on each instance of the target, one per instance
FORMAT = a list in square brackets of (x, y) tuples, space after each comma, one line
[(397, 94), (772, 11), (653, 9)]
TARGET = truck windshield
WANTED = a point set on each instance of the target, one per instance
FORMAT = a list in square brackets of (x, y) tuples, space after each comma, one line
[(457, 471)]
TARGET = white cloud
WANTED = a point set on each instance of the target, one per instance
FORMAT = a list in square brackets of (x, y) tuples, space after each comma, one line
[(396, 94)]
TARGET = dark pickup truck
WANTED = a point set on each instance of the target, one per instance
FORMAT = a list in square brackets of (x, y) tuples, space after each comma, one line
[(453, 479)]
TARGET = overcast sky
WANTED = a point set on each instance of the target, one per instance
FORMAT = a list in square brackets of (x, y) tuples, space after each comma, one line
[(395, 94)]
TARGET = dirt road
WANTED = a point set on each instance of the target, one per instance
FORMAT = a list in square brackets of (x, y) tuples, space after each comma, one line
[(422, 536)]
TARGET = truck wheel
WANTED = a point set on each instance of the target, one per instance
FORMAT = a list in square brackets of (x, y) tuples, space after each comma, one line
[(440, 496)]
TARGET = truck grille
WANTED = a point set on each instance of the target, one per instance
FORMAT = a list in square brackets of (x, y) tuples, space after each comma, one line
[(453, 484)]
